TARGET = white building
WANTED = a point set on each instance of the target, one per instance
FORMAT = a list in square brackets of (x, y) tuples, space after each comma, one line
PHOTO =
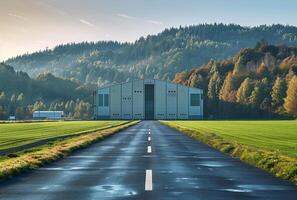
[(148, 99), (56, 115)]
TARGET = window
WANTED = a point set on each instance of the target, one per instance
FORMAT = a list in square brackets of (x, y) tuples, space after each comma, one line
[(106, 102), (100, 103), (195, 100)]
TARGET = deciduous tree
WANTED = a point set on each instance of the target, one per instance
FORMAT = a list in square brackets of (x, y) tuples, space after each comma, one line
[(227, 92), (244, 91)]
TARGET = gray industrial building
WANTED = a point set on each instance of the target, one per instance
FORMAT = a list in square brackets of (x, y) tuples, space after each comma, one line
[(148, 99)]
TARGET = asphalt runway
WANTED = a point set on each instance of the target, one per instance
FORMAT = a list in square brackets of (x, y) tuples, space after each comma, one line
[(147, 161)]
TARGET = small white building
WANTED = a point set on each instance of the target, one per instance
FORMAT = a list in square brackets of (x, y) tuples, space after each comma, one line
[(55, 115), (12, 118), (148, 99)]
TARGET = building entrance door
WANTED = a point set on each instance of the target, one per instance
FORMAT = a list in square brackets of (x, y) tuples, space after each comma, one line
[(149, 98)]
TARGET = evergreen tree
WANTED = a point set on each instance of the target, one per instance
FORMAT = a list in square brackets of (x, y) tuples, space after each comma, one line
[(260, 92), (3, 98), (20, 99), (39, 105), (291, 99), (214, 86), (278, 92)]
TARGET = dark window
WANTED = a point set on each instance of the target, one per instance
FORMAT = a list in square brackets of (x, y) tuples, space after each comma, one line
[(100, 103), (106, 100), (195, 100)]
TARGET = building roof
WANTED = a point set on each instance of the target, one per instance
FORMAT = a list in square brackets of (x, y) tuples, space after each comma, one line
[(111, 84)]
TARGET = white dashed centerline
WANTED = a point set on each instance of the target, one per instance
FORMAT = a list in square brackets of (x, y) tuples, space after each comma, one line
[(148, 180), (149, 149), (149, 173)]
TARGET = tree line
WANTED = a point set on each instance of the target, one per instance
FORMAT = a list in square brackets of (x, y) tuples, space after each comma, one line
[(155, 56), (255, 83), (20, 95)]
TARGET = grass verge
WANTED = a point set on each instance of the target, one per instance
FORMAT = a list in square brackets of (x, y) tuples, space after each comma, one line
[(17, 136), (280, 165), (39, 156)]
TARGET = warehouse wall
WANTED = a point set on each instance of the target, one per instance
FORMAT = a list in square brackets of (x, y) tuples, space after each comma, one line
[(138, 99), (127, 100), (171, 101), (160, 99), (182, 99), (116, 101)]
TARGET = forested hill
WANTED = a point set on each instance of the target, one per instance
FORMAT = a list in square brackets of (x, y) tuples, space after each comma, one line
[(159, 56), (255, 83), (20, 95)]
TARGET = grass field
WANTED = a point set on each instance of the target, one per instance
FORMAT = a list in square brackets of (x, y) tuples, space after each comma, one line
[(18, 134), (271, 135), (35, 157)]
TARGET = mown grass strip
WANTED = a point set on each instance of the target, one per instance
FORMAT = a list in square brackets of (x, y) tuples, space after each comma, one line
[(15, 135), (280, 165), (34, 142), (32, 160)]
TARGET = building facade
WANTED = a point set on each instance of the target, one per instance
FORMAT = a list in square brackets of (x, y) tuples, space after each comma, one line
[(148, 99), (53, 115)]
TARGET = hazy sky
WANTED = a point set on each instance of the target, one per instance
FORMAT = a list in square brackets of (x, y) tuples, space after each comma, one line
[(30, 25)]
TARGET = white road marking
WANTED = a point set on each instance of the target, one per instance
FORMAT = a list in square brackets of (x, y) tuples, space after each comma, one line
[(149, 138), (149, 149), (148, 180), (149, 132)]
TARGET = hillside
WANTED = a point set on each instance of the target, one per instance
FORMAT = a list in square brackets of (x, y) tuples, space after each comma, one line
[(159, 56), (20, 95), (255, 83)]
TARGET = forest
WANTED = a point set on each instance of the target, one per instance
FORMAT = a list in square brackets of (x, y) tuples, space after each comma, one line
[(20, 95), (158, 56), (246, 76), (257, 83)]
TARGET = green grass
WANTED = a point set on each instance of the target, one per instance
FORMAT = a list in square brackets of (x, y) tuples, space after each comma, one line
[(270, 135), (18, 134), (268, 145), (39, 156)]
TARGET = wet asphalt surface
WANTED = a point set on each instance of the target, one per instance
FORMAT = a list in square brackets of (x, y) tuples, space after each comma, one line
[(182, 168)]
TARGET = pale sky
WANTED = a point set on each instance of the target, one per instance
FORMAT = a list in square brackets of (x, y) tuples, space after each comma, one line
[(31, 25)]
